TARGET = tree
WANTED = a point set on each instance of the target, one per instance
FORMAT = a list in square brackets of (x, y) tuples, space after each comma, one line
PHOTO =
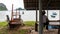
[(2, 7), (19, 9)]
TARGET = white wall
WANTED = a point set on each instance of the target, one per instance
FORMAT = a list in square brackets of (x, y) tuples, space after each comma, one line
[(29, 15), (50, 12)]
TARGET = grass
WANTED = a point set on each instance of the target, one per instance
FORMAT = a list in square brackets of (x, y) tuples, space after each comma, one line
[(5, 31), (2, 24), (23, 31), (29, 23)]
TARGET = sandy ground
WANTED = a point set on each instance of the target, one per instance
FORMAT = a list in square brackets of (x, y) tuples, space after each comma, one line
[(55, 31), (30, 31)]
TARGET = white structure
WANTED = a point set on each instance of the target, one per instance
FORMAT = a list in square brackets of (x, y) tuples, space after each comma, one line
[(29, 15)]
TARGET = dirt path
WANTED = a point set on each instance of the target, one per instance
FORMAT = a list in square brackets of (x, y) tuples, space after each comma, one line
[(46, 32), (16, 31), (13, 32)]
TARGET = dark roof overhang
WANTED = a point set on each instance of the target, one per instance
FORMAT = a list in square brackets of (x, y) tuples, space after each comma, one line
[(46, 4)]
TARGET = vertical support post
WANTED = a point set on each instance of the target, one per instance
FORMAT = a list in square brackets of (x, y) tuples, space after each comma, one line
[(19, 12), (19, 15), (36, 25), (48, 4), (7, 18), (16, 13), (47, 13), (59, 23), (40, 18), (12, 12)]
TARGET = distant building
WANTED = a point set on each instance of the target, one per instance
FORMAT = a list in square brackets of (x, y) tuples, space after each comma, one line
[(2, 7)]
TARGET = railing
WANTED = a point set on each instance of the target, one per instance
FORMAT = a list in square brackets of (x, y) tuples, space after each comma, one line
[(54, 20)]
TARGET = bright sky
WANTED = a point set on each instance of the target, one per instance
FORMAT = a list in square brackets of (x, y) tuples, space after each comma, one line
[(17, 3)]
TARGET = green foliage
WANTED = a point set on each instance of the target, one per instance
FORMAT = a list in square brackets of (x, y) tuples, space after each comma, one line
[(29, 23), (2, 8), (23, 31), (19, 9), (2, 24)]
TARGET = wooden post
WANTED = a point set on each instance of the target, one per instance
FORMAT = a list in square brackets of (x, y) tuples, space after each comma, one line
[(58, 31), (19, 12), (12, 12), (48, 4), (19, 15), (36, 25), (40, 18), (7, 18), (59, 23), (16, 13)]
